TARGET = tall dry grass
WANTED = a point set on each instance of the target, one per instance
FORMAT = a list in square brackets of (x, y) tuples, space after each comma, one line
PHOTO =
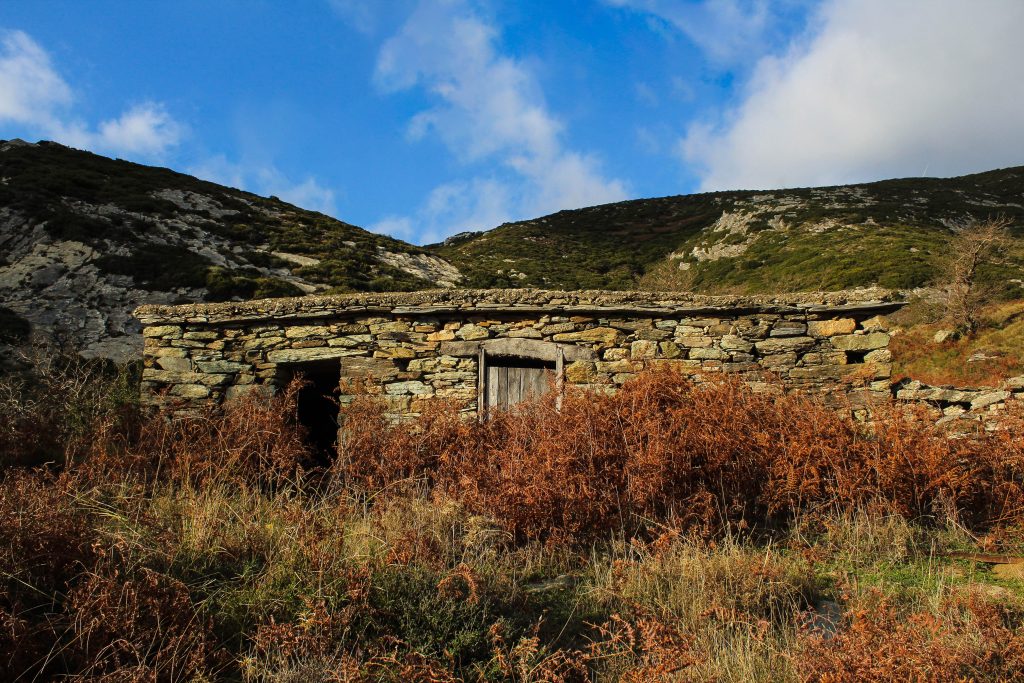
[(672, 532)]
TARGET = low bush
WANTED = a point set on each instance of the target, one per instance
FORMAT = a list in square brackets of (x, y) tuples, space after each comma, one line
[(710, 457), (53, 403), (254, 439), (966, 638)]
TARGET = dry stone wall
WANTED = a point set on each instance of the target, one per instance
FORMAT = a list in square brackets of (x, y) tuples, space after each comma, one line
[(950, 404), (417, 347)]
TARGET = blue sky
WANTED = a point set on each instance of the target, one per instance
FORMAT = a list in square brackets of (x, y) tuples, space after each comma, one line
[(425, 118)]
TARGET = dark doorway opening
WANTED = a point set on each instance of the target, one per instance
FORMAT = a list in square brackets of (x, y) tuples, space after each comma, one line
[(317, 404)]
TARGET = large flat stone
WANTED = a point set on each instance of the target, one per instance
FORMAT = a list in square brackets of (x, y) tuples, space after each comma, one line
[(788, 328), (580, 372), (603, 335), (860, 342), (835, 372), (989, 398), (536, 349), (314, 354), (302, 331), (165, 331), (221, 366), (414, 387), (192, 391), (708, 354), (694, 341), (830, 328), (174, 364), (643, 348), (783, 345), (472, 332), (618, 366), (732, 342), (360, 367), (1014, 383), (460, 349)]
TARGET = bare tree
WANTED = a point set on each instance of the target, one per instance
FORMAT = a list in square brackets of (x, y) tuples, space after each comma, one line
[(976, 243)]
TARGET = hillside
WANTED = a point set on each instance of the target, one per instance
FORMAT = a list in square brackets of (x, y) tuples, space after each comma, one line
[(891, 233), (85, 239)]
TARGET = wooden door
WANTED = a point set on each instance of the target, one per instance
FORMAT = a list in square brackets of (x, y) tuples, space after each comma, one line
[(507, 385)]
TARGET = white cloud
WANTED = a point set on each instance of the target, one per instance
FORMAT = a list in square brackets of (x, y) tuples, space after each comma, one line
[(144, 129), (399, 227), (34, 96), (358, 13), (371, 16), (309, 194), (29, 86), (489, 106), (882, 89), (454, 207), (267, 179), (727, 31)]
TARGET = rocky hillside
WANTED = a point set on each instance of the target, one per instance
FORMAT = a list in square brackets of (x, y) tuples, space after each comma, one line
[(85, 239), (892, 233)]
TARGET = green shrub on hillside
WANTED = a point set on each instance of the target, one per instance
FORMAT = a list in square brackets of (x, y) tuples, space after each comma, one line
[(157, 266), (14, 328), (224, 285)]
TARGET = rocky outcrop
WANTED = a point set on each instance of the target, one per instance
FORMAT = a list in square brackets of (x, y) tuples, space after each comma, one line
[(84, 240)]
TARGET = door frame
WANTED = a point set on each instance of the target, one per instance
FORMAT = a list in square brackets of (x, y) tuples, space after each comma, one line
[(530, 349)]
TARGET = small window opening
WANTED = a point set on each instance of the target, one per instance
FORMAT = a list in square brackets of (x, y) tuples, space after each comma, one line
[(856, 356), (317, 404)]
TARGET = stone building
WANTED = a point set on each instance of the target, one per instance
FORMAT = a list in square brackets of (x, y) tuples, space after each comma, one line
[(492, 348)]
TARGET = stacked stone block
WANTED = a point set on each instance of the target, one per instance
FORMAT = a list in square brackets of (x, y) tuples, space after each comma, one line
[(415, 347)]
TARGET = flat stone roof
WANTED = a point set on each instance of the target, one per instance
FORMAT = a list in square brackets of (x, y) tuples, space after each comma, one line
[(433, 301)]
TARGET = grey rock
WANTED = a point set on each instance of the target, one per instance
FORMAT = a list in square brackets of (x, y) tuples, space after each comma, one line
[(860, 342), (989, 398), (414, 387), (783, 344), (304, 355)]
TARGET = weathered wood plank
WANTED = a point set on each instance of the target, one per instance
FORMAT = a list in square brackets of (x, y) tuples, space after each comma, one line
[(492, 388)]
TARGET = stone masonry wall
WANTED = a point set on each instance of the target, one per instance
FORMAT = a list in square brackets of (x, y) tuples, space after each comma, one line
[(424, 345)]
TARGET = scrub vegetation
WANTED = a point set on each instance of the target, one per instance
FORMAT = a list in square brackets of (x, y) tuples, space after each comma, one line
[(669, 532), (993, 352), (121, 209), (894, 233)]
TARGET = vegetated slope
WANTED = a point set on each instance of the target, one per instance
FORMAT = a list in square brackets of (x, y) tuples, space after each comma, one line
[(85, 239), (992, 354), (892, 233)]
